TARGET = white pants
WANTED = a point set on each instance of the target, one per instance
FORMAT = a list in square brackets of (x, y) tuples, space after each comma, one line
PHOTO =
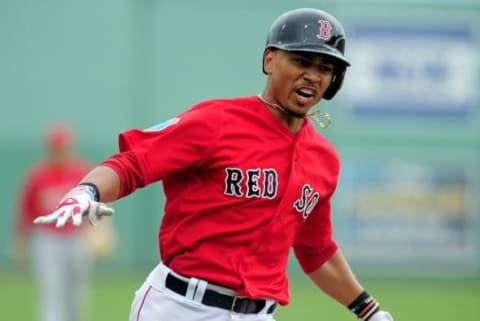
[(154, 302), (62, 269)]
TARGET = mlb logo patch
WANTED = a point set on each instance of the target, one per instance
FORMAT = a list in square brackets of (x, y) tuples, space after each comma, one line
[(163, 125)]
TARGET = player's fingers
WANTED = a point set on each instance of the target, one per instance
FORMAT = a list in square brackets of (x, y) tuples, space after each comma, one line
[(63, 217), (93, 213), (76, 213), (104, 210), (46, 219), (43, 220), (77, 219)]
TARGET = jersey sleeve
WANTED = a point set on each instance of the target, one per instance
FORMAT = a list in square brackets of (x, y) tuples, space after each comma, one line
[(314, 244), (179, 144)]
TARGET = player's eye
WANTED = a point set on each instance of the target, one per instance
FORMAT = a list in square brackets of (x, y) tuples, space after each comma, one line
[(326, 68), (302, 62)]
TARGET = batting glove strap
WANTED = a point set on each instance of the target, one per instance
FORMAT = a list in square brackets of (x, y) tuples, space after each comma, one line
[(364, 306), (92, 189)]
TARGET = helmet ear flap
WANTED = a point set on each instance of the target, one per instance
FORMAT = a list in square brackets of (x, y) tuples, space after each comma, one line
[(336, 84)]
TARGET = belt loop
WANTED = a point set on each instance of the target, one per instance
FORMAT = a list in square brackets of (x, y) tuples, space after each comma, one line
[(199, 293), (234, 302), (192, 288)]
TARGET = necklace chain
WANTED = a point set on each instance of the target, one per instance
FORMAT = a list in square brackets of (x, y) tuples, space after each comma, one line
[(271, 104), (314, 115)]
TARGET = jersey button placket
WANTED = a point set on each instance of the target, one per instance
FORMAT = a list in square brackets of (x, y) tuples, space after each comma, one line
[(294, 155)]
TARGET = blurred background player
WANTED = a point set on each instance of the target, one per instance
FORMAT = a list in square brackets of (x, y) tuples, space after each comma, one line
[(60, 259)]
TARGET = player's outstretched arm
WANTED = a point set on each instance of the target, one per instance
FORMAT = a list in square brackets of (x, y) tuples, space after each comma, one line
[(86, 200), (337, 280)]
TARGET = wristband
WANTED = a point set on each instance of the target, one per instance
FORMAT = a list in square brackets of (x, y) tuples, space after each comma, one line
[(364, 306), (93, 190)]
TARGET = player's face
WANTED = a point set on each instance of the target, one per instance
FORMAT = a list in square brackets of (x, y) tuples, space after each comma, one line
[(297, 80)]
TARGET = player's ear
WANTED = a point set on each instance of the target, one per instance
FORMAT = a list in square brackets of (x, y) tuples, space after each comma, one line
[(267, 61)]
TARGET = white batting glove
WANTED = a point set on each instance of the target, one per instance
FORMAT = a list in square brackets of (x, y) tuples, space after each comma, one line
[(381, 316), (77, 203)]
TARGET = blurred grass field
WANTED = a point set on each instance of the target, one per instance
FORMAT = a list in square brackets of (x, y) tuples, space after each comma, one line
[(407, 299)]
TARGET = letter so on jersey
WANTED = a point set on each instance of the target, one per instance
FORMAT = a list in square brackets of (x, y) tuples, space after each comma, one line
[(307, 201)]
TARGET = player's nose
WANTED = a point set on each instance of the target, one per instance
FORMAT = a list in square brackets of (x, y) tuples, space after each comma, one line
[(313, 76)]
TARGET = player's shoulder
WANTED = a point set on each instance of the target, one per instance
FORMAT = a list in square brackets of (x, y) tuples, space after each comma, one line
[(38, 168), (37, 171)]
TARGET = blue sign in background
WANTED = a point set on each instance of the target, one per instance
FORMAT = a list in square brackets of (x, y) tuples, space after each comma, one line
[(412, 69)]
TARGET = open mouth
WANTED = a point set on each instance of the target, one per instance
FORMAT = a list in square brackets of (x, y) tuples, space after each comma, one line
[(304, 95)]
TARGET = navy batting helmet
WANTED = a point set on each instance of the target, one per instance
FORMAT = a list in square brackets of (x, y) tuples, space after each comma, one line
[(311, 30)]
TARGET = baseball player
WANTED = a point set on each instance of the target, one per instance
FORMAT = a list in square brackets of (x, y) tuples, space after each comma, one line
[(60, 261), (246, 179)]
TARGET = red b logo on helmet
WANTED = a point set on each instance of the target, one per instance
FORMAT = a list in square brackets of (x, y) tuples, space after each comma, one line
[(325, 30)]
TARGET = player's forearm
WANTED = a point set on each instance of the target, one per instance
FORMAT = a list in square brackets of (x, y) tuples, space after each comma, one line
[(106, 180), (337, 280)]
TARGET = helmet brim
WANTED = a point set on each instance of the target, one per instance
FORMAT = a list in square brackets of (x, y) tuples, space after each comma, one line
[(325, 50)]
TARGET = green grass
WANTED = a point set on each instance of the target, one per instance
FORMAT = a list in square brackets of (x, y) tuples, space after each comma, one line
[(409, 299)]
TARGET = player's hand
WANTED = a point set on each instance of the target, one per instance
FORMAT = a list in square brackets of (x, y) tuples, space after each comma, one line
[(76, 204), (381, 316)]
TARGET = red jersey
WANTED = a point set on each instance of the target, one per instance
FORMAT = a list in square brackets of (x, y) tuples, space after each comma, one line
[(241, 191), (43, 188)]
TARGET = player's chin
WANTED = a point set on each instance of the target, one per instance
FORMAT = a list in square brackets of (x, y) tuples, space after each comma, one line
[(300, 112), (304, 109)]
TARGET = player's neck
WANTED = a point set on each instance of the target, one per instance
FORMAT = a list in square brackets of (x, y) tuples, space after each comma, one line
[(292, 122)]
